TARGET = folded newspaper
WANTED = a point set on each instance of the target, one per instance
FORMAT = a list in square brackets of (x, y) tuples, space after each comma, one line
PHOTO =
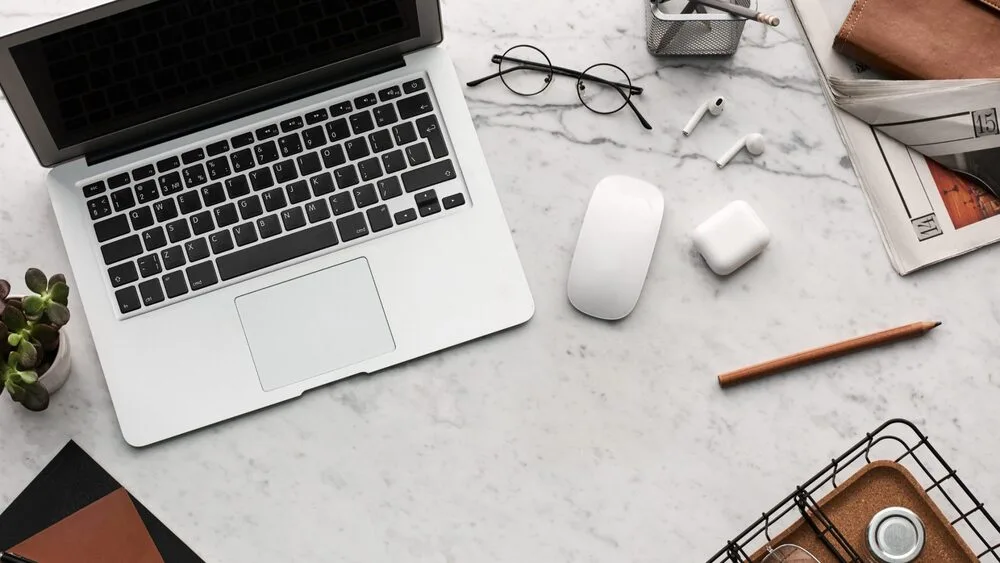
[(927, 152)]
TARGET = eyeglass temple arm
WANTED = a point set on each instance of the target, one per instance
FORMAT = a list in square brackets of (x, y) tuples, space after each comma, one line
[(636, 90)]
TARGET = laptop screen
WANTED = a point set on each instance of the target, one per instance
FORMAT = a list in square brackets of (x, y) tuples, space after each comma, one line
[(160, 58)]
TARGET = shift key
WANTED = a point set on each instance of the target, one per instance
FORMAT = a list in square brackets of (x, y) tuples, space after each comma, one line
[(428, 175)]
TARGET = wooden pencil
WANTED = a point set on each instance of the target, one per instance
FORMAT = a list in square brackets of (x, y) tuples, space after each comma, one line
[(751, 373)]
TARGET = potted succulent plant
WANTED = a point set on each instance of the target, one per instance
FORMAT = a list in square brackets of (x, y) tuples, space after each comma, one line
[(34, 352)]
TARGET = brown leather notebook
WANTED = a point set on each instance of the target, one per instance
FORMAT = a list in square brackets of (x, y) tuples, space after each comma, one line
[(924, 39)]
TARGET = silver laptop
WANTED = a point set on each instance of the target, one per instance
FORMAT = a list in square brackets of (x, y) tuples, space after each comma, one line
[(259, 197)]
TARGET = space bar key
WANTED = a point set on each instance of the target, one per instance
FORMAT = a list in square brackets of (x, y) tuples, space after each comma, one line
[(276, 251)]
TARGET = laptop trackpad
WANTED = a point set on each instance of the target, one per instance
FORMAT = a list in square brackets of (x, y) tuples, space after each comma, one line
[(315, 324)]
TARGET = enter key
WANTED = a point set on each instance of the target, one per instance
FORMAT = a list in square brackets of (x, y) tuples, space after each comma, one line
[(431, 130)]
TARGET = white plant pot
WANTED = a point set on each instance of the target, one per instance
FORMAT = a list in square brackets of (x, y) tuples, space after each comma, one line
[(58, 372)]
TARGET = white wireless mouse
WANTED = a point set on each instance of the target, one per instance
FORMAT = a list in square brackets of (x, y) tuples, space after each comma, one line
[(615, 247)]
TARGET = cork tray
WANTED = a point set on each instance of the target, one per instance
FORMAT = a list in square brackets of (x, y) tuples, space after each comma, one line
[(851, 506)]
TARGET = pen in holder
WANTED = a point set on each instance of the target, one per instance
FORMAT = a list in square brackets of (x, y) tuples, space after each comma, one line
[(678, 28)]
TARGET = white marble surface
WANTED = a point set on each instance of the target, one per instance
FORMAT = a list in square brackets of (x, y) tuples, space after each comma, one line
[(570, 439)]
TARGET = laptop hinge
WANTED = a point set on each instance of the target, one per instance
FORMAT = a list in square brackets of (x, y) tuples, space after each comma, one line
[(304, 90)]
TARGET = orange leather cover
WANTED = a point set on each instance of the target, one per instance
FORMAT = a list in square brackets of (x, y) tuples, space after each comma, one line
[(106, 531), (924, 39)]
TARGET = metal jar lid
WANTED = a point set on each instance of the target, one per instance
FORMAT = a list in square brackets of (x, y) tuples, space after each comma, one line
[(896, 535)]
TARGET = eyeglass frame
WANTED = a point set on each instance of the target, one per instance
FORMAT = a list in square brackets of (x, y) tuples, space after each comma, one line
[(552, 69)]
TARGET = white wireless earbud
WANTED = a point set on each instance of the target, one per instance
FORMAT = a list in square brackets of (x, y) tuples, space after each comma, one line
[(713, 106), (754, 144)]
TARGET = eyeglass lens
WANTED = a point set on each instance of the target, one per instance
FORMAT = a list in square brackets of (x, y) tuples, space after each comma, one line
[(789, 554), (598, 91), (525, 70)]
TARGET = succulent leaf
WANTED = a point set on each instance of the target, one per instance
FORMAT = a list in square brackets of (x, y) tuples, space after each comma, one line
[(4, 289), (46, 335), (58, 278), (14, 318), (36, 280), (58, 314), (34, 306), (28, 352), (59, 292), (36, 397)]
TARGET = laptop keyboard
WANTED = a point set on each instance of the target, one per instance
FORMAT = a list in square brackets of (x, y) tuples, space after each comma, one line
[(220, 212)]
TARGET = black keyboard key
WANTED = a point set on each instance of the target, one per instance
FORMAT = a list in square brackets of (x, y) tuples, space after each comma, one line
[(121, 249), (430, 129), (346, 176), (356, 148), (290, 145), (417, 154), (317, 116), (128, 300), (218, 168), (201, 223), (99, 207), (90, 190), (453, 201), (429, 209), (293, 218), (154, 238), (390, 93), (149, 265), (337, 130), (261, 179), (370, 169), (341, 203), (314, 137), (119, 180), (266, 152), (189, 202), (285, 172), (218, 148), (242, 140), (225, 215), (196, 249), (352, 227), (425, 198), (297, 191), (114, 227), (405, 216), (379, 218), (333, 156), (428, 176), (380, 140), (170, 184), (309, 164), (175, 285), (195, 176), (143, 172), (393, 161), (317, 211), (221, 242), (122, 274), (213, 194), (385, 115), (141, 218), (168, 164), (365, 195), (193, 156), (389, 188), (365, 101), (146, 192), (268, 226), (201, 276), (342, 108), (291, 124), (250, 207), (414, 85), (178, 230), (123, 199), (151, 292), (267, 132), (173, 257), (274, 199), (277, 251), (414, 105), (245, 234), (362, 122), (242, 160), (237, 186), (165, 210), (404, 133)]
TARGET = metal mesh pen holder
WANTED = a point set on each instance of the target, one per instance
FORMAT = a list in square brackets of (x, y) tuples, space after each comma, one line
[(672, 33)]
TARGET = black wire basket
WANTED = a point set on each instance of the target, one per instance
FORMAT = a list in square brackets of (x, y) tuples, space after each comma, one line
[(897, 440)]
